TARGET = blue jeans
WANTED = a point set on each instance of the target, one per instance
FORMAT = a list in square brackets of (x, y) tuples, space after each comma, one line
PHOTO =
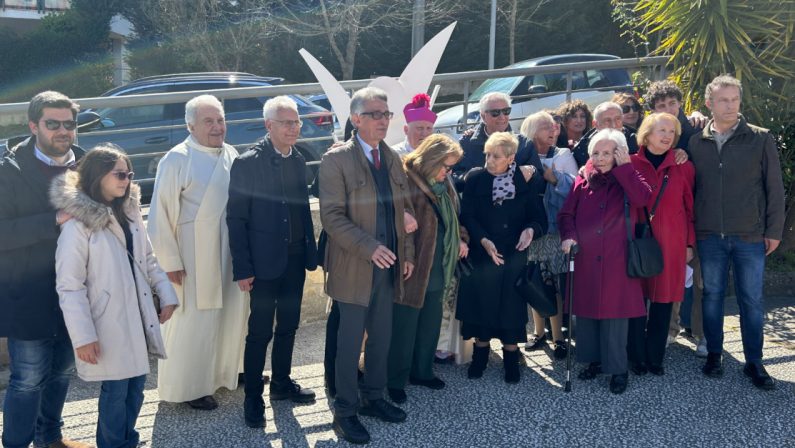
[(748, 265), (686, 309), (40, 373), (120, 403)]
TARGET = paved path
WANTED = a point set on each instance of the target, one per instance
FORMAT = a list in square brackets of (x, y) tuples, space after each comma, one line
[(682, 408)]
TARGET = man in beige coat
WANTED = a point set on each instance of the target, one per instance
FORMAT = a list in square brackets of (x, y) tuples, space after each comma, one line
[(363, 197), (187, 226)]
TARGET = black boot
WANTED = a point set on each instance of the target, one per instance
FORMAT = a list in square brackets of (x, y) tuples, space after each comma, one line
[(480, 357), (510, 362)]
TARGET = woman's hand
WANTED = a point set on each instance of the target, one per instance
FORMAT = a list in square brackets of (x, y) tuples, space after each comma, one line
[(491, 249), (525, 239), (566, 245), (622, 156), (409, 222), (88, 353), (549, 175), (166, 313), (527, 171), (463, 249)]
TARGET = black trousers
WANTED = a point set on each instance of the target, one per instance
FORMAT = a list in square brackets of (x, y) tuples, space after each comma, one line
[(647, 336), (279, 298), (330, 354)]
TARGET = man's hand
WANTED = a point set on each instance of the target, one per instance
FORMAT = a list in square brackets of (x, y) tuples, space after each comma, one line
[(527, 171), (689, 255), (525, 239), (680, 156), (771, 245), (409, 222), (549, 175), (463, 249), (697, 119), (383, 257), (88, 353), (176, 277), (61, 217), (566, 245), (408, 269), (246, 285), (491, 249), (166, 313)]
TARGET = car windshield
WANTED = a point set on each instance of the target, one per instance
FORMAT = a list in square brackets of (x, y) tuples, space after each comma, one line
[(504, 85)]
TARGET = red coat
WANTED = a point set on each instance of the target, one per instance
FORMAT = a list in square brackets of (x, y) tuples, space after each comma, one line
[(672, 223), (593, 215)]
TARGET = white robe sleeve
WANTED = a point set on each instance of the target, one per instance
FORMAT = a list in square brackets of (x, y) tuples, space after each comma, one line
[(164, 211)]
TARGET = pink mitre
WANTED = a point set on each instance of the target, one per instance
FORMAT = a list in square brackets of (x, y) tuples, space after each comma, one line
[(419, 109)]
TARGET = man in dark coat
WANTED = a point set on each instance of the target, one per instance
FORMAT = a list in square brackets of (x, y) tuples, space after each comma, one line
[(495, 110), (606, 115), (739, 220), (666, 96), (272, 241), (42, 359)]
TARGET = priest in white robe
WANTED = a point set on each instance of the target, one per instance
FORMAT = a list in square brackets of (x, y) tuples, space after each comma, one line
[(187, 226)]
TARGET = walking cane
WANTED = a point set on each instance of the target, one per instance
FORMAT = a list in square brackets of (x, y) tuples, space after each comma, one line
[(570, 292)]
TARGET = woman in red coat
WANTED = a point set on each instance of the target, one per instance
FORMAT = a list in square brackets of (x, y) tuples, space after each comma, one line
[(672, 225), (593, 218)]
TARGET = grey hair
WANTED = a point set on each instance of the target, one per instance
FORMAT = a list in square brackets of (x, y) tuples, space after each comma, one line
[(202, 100), (361, 96), (51, 99), (720, 82), (609, 134), (491, 96), (533, 122), (604, 107), (277, 103)]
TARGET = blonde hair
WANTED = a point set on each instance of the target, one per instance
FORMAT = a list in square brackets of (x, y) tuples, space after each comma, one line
[(505, 140), (429, 157), (533, 122), (648, 127)]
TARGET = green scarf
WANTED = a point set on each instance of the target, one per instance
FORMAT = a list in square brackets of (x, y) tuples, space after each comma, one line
[(451, 235)]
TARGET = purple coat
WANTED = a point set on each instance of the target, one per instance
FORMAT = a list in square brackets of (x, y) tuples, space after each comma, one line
[(593, 215)]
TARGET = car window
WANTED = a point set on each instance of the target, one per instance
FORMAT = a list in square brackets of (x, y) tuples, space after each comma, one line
[(136, 116), (504, 85), (554, 82), (597, 78), (243, 105)]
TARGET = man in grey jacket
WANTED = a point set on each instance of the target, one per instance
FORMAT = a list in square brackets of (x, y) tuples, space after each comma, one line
[(739, 206)]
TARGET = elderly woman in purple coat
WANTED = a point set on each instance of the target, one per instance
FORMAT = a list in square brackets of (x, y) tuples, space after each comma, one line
[(593, 218)]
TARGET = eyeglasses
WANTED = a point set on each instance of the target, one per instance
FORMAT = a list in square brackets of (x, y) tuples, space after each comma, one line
[(448, 168), (496, 112), (290, 123), (378, 115), (123, 175), (54, 125), (632, 107)]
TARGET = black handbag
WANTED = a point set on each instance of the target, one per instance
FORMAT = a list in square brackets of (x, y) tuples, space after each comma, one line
[(538, 289), (644, 255)]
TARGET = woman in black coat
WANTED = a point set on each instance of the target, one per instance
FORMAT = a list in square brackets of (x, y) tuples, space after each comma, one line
[(502, 213)]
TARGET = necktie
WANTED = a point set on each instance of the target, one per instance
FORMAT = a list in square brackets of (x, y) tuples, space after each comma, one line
[(376, 159)]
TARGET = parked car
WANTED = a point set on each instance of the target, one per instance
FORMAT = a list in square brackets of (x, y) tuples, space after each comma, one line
[(551, 87), (147, 141)]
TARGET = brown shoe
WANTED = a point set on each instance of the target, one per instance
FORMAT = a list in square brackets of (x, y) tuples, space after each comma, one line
[(66, 443)]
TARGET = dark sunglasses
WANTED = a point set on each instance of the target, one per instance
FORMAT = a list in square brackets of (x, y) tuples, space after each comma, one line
[(378, 115), (54, 125), (633, 107), (496, 112), (123, 175)]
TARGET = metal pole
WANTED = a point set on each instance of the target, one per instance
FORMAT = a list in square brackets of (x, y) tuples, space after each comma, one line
[(492, 33), (417, 26)]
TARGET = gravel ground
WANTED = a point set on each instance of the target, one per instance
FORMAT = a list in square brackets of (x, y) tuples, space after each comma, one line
[(682, 408)]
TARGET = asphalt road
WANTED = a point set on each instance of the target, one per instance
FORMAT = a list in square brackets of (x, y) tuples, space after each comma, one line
[(682, 408)]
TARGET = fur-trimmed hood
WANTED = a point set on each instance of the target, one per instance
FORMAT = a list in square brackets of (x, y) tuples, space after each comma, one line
[(66, 196)]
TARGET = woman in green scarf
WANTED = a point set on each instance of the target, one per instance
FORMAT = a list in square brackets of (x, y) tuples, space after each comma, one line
[(439, 242)]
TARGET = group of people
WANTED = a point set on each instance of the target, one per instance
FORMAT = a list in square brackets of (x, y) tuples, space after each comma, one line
[(421, 247)]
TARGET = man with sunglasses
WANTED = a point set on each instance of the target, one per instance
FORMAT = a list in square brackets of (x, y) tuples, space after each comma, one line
[(42, 358), (272, 240), (495, 111), (363, 197)]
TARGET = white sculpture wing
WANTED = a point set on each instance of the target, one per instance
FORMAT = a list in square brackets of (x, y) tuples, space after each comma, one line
[(417, 76), (337, 96)]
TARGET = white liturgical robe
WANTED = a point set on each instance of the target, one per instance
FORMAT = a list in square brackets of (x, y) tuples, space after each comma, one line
[(187, 225)]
